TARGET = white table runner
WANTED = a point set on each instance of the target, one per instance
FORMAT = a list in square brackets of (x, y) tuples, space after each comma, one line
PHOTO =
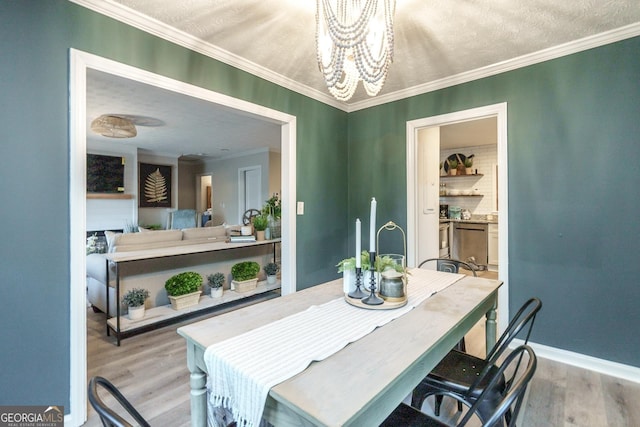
[(243, 369)]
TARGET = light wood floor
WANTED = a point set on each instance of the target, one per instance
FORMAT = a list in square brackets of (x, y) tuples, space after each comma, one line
[(150, 370)]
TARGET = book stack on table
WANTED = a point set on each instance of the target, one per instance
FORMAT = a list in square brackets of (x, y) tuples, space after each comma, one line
[(241, 239)]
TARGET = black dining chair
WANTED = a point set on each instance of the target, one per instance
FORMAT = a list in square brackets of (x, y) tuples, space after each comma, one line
[(504, 412), (108, 416), (449, 265), (464, 375)]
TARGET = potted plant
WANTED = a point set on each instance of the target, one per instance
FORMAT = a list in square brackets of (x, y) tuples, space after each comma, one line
[(271, 269), (184, 289), (453, 166), (260, 223), (468, 162), (348, 269), (273, 210), (245, 276), (134, 299), (216, 281)]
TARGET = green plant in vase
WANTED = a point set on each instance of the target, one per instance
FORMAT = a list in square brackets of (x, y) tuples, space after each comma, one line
[(183, 283), (216, 282), (453, 166)]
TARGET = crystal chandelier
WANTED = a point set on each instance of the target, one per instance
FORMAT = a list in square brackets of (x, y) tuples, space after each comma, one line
[(354, 41)]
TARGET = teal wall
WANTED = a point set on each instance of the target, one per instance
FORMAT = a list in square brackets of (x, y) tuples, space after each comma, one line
[(35, 38), (573, 228), (573, 141)]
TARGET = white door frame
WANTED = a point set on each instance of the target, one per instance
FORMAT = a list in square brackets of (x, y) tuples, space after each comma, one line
[(79, 62), (500, 112)]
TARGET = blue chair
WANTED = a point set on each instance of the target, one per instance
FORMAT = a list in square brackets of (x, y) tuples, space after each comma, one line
[(183, 218)]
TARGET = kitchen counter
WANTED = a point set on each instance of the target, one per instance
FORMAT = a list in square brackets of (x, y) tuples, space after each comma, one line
[(476, 219)]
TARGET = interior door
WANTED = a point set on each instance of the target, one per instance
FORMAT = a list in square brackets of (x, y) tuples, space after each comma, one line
[(250, 183), (428, 237)]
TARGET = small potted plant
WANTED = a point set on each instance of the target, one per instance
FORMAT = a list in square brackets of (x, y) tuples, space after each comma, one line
[(453, 166), (260, 223), (184, 289), (348, 269), (468, 162), (134, 299), (271, 269), (216, 281), (245, 276)]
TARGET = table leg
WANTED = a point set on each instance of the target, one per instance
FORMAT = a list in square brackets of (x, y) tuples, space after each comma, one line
[(491, 327), (198, 384)]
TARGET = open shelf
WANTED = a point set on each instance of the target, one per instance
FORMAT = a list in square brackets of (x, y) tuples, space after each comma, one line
[(461, 176), (111, 196), (165, 314)]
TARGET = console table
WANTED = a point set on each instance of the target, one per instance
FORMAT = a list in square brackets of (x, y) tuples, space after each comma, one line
[(164, 315)]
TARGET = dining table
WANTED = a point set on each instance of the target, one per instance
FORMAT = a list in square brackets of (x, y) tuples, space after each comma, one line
[(363, 382)]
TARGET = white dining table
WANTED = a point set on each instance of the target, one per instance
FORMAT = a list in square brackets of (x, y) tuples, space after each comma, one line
[(362, 383)]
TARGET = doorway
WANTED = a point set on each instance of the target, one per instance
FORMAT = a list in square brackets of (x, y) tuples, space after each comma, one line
[(249, 190), (423, 188), (80, 62)]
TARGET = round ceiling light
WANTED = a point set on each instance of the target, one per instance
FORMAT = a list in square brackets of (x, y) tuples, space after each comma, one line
[(114, 127)]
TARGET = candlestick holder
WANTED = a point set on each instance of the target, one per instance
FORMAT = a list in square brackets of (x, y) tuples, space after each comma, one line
[(358, 293), (372, 299)]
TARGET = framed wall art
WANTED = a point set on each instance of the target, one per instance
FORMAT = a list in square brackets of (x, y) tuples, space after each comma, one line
[(154, 186)]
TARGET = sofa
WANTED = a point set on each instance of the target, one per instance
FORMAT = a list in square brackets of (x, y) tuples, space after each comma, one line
[(151, 274)]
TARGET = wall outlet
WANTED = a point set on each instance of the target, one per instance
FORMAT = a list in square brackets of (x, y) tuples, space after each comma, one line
[(300, 208)]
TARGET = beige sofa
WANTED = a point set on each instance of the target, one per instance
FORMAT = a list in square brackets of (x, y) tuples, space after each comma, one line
[(152, 274)]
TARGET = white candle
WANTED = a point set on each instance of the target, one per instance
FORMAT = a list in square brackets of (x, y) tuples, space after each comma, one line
[(372, 228), (358, 243)]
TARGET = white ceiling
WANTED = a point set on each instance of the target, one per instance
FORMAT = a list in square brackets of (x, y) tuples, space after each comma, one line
[(437, 43)]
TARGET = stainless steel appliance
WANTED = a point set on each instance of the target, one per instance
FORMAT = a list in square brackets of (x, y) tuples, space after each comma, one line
[(444, 240), (470, 240)]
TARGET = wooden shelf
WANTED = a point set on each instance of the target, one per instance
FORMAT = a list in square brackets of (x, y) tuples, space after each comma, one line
[(464, 195), (164, 314), (461, 176), (111, 196)]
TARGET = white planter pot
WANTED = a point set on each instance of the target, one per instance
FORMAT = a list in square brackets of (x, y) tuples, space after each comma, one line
[(136, 313), (184, 301), (216, 292), (245, 285), (272, 279), (349, 280)]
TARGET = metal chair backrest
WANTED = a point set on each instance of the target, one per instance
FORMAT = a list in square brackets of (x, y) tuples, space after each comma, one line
[(108, 416), (509, 407), (449, 265)]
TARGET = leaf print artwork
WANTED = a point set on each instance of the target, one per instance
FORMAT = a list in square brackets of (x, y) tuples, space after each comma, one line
[(155, 187)]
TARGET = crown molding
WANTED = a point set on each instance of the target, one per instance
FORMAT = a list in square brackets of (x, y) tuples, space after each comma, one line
[(622, 33), (152, 26), (159, 29)]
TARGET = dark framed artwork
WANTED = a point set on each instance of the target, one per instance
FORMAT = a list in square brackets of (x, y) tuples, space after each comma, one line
[(154, 186), (105, 174)]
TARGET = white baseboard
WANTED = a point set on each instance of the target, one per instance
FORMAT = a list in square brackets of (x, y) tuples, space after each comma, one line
[(614, 369)]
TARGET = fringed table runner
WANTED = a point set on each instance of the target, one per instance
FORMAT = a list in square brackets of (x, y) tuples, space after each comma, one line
[(243, 369)]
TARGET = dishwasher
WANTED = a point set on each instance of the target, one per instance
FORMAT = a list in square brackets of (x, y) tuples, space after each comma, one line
[(470, 241)]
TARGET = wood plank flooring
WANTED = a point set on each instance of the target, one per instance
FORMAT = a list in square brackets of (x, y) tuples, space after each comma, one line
[(150, 370)]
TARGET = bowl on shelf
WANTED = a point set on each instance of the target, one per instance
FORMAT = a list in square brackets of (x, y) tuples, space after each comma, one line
[(453, 192)]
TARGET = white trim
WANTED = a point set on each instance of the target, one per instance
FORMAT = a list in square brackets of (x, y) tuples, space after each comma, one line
[(152, 26), (77, 242), (606, 367), (79, 62), (413, 126)]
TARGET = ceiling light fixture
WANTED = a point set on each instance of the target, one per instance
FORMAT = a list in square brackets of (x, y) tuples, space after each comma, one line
[(114, 127), (354, 41)]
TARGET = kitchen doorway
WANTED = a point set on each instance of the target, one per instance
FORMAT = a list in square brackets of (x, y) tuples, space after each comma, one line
[(423, 177)]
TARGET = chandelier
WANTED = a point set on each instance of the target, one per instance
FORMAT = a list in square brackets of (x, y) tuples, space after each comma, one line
[(354, 41)]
